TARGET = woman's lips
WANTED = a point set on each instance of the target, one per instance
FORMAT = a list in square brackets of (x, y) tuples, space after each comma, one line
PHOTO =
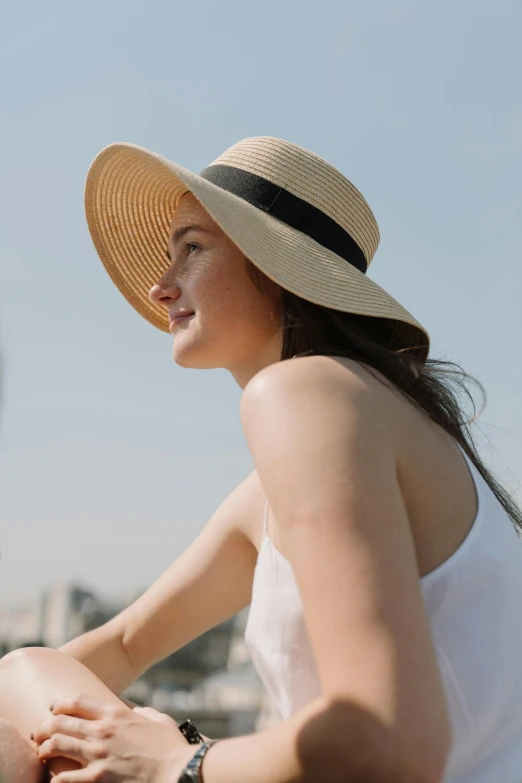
[(173, 322)]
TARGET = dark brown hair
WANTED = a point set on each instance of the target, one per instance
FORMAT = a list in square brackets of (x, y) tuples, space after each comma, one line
[(433, 385)]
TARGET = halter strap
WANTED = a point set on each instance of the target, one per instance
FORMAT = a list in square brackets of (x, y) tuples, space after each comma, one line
[(265, 526)]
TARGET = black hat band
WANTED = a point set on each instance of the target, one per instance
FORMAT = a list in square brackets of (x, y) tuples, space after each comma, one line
[(291, 209)]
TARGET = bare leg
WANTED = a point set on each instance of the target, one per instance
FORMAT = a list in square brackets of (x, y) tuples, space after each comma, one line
[(32, 678), (18, 762)]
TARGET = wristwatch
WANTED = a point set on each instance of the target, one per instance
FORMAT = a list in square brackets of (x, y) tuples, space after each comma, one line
[(192, 772), (190, 732)]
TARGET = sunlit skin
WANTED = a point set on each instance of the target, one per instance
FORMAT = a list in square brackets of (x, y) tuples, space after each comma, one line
[(18, 761), (235, 326)]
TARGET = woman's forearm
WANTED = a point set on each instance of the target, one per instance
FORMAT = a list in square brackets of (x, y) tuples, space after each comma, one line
[(102, 651), (303, 749), (336, 741)]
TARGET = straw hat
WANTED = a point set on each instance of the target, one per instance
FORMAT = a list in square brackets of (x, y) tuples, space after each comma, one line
[(297, 219)]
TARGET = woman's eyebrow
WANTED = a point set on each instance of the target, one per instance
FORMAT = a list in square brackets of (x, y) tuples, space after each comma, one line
[(182, 230)]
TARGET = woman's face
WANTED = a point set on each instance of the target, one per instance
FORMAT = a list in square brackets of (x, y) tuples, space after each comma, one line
[(233, 325)]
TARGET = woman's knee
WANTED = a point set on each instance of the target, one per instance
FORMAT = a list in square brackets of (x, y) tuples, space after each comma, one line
[(55, 666), (32, 677), (27, 656), (18, 675), (25, 663)]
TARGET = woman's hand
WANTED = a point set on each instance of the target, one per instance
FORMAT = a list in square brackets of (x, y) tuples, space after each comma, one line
[(153, 714), (113, 744)]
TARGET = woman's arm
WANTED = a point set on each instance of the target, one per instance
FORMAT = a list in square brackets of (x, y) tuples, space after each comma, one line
[(103, 653), (209, 583), (323, 444)]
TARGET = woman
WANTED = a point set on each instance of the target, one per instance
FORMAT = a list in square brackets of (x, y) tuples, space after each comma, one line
[(380, 557)]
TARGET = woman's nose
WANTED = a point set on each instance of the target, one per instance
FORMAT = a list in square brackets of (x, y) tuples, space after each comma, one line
[(164, 292)]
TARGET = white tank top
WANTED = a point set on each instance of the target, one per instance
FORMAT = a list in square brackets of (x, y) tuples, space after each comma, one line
[(474, 605)]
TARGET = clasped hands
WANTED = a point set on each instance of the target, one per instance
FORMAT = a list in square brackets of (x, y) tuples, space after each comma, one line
[(112, 743)]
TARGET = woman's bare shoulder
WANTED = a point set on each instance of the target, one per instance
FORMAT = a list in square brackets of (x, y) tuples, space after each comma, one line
[(312, 383), (323, 369)]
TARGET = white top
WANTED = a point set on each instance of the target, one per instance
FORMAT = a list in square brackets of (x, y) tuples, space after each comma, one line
[(473, 602)]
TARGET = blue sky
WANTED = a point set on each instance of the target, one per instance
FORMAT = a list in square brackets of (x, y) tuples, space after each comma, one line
[(417, 103)]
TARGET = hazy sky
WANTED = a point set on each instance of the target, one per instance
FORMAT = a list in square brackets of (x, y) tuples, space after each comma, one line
[(111, 457)]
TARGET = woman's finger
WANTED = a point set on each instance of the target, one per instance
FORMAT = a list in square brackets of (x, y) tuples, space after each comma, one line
[(71, 748), (64, 724), (85, 707), (85, 775)]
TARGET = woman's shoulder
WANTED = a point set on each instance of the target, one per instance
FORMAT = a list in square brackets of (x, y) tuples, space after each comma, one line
[(287, 404), (348, 388), (335, 381), (318, 370)]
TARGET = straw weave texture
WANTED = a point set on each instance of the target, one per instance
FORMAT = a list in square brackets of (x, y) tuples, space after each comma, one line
[(311, 178), (131, 196)]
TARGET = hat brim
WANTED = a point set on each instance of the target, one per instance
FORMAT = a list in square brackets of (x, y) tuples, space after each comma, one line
[(130, 198)]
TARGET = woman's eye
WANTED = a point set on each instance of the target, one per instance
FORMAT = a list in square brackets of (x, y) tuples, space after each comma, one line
[(191, 245)]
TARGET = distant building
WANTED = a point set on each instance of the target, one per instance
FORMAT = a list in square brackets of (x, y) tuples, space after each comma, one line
[(62, 612)]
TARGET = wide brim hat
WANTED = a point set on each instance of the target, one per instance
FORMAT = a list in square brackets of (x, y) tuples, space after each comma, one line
[(293, 215)]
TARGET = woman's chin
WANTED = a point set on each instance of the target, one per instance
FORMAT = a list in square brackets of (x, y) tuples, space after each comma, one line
[(191, 358), (182, 358)]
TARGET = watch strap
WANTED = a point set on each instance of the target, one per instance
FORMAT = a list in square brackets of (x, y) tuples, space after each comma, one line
[(192, 772)]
